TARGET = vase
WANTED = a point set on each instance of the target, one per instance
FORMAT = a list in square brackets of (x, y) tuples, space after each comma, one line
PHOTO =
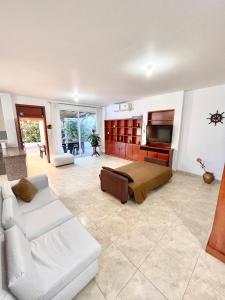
[(208, 177)]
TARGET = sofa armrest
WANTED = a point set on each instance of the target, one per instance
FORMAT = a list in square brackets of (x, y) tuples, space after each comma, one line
[(40, 182), (115, 185)]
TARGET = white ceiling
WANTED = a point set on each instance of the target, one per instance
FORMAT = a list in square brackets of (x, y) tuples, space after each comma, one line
[(50, 48)]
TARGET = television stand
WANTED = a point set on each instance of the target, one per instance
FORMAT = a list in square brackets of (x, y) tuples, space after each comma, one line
[(160, 151), (163, 153)]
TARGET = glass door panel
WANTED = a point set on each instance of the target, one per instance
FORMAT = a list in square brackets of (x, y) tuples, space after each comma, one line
[(87, 123), (70, 131), (75, 129)]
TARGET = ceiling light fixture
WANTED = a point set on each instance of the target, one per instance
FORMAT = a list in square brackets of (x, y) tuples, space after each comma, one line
[(149, 70), (76, 96)]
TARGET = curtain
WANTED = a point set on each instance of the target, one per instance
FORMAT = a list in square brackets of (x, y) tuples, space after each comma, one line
[(56, 141)]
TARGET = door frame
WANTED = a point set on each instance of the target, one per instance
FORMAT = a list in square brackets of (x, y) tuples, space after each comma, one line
[(21, 108)]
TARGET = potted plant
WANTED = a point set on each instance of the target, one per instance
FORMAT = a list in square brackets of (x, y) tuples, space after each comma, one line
[(94, 140), (208, 177)]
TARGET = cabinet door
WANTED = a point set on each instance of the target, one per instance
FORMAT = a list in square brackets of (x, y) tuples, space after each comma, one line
[(112, 148), (152, 154), (135, 150), (122, 150), (163, 156), (117, 148), (107, 147), (129, 151), (142, 154)]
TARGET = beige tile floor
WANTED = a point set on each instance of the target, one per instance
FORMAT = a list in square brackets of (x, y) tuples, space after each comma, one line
[(150, 251)]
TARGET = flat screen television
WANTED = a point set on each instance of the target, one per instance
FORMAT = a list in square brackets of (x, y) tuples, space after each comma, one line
[(159, 133)]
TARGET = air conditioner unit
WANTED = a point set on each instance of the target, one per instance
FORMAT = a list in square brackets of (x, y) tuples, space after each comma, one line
[(116, 107), (125, 106)]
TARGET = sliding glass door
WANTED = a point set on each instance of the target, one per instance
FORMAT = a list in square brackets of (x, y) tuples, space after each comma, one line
[(76, 126), (87, 123)]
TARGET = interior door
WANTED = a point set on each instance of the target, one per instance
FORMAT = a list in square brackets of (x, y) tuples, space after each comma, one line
[(32, 111)]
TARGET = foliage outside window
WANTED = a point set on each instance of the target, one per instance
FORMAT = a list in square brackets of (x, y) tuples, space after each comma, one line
[(70, 128), (30, 131)]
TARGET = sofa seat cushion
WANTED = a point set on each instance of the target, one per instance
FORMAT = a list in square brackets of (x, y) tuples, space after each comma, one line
[(43, 197), (62, 254), (40, 221), (62, 159), (23, 280)]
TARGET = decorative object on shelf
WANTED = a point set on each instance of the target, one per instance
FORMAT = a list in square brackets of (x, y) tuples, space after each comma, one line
[(216, 118), (94, 140), (208, 177)]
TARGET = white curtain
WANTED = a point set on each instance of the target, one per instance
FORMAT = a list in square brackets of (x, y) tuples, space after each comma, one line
[(100, 126), (56, 141)]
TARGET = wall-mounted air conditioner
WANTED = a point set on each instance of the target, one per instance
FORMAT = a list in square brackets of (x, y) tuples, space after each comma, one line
[(122, 107), (116, 107)]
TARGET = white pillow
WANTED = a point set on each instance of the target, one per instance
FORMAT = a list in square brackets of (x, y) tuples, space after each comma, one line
[(23, 280), (7, 190), (11, 214)]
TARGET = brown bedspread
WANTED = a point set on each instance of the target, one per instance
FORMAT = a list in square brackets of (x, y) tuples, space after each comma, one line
[(147, 176)]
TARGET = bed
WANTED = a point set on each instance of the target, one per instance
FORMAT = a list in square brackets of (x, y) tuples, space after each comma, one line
[(135, 179)]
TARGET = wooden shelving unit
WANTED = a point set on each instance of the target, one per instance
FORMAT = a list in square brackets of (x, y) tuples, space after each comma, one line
[(127, 131), (123, 138)]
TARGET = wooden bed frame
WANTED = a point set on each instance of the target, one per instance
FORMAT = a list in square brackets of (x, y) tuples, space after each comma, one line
[(118, 186)]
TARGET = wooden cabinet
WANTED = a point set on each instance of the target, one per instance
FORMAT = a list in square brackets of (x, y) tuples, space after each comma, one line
[(152, 154), (216, 243), (121, 136), (129, 151), (137, 153), (142, 154), (120, 149)]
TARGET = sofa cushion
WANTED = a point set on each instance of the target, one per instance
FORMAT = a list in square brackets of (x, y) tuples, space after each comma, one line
[(45, 218), (62, 254), (25, 190), (62, 159), (43, 197), (39, 181), (11, 214), (23, 280), (7, 190)]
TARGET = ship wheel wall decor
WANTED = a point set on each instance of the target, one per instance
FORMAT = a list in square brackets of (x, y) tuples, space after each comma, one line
[(216, 118)]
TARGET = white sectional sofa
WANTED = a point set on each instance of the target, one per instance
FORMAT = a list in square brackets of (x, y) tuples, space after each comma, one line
[(48, 253)]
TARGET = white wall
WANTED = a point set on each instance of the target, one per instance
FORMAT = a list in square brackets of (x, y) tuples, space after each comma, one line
[(9, 118), (2, 123), (159, 102), (198, 138)]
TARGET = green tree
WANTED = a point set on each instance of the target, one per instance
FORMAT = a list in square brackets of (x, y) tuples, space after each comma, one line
[(30, 131), (71, 130)]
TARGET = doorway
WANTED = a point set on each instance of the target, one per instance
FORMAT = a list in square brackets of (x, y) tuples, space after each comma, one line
[(76, 126), (32, 130)]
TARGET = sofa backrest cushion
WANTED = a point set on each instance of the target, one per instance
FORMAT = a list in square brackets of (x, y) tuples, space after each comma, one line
[(23, 280), (11, 214), (39, 181), (7, 190)]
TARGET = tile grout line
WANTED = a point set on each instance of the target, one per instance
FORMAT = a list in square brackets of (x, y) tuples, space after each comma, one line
[(144, 262), (99, 287), (123, 287), (192, 273), (131, 275)]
